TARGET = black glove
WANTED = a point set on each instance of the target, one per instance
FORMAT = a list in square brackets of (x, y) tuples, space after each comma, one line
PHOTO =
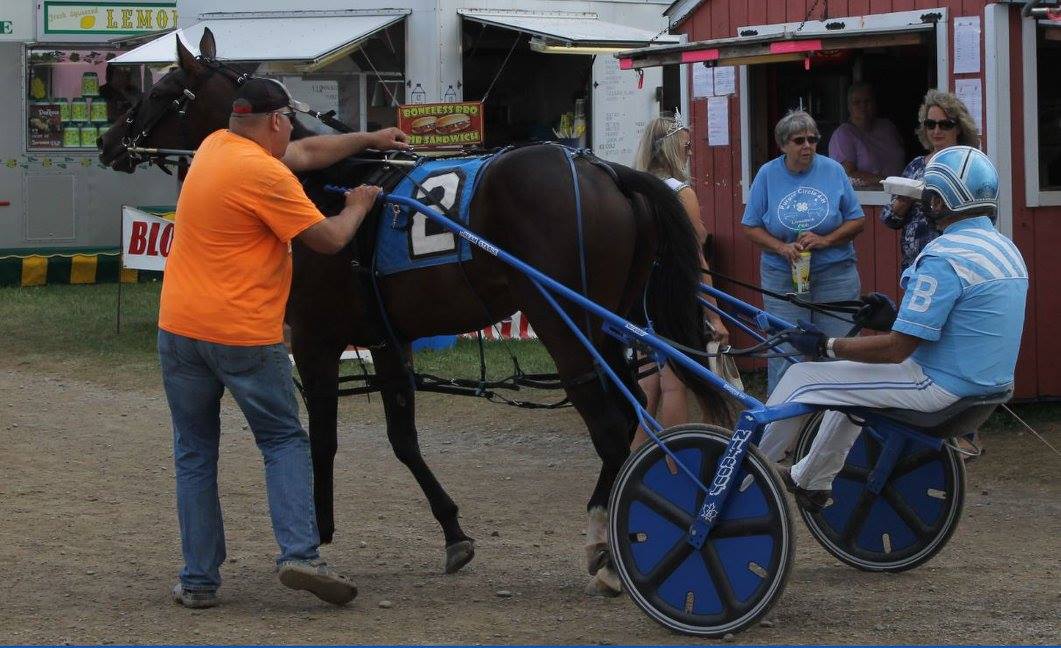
[(807, 339), (877, 313)]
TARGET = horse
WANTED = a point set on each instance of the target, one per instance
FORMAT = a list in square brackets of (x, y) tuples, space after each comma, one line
[(640, 261)]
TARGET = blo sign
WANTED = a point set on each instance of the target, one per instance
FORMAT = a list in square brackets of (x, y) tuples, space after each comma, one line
[(146, 240)]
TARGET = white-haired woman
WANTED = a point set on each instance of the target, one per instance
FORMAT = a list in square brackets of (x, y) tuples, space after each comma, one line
[(664, 151), (799, 202), (942, 121)]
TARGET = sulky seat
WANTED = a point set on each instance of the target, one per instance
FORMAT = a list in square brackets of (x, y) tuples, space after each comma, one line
[(961, 417)]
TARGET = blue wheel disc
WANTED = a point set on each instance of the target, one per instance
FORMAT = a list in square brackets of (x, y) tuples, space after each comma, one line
[(738, 573), (905, 524)]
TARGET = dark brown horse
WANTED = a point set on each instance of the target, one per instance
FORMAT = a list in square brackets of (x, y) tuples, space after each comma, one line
[(636, 235)]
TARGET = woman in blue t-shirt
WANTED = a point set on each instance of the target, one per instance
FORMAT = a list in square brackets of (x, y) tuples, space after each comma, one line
[(801, 202)]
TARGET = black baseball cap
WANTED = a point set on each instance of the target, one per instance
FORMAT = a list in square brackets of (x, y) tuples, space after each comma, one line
[(262, 95)]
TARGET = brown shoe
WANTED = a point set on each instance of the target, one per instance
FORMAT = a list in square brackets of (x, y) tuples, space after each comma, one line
[(813, 501), (319, 579)]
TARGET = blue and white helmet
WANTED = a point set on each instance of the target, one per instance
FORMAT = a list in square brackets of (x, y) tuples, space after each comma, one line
[(965, 179)]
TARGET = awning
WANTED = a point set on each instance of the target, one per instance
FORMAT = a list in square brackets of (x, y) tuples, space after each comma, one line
[(785, 42), (562, 29), (303, 37)]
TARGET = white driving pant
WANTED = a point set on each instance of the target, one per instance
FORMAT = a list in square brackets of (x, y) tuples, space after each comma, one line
[(843, 382)]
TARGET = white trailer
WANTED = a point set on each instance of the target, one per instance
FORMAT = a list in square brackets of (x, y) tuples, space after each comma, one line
[(60, 89)]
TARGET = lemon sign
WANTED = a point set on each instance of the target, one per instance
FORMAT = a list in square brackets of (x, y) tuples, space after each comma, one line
[(88, 22)]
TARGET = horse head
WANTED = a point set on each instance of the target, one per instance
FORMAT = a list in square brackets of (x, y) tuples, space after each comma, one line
[(181, 109)]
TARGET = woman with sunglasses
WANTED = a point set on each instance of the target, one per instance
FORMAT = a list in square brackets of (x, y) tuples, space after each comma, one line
[(664, 151), (943, 121), (803, 202)]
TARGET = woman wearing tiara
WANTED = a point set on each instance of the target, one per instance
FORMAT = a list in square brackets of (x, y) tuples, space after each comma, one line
[(664, 151)]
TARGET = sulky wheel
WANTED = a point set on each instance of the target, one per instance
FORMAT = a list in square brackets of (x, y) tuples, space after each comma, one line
[(907, 523), (742, 568)]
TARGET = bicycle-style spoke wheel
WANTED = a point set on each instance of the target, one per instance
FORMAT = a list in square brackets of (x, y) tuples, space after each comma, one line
[(904, 525), (742, 568)]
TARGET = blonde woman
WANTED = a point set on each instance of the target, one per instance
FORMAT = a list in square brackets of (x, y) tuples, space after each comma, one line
[(942, 121), (664, 151)]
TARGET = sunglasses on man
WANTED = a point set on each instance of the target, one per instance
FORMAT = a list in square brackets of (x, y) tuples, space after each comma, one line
[(943, 124), (805, 139)]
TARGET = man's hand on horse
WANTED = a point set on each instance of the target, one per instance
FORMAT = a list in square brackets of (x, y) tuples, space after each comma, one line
[(362, 197), (390, 139), (878, 312), (807, 339)]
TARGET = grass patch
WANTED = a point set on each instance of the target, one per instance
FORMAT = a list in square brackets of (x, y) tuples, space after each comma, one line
[(66, 329)]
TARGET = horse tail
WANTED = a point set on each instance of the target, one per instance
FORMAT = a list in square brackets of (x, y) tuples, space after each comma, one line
[(670, 300)]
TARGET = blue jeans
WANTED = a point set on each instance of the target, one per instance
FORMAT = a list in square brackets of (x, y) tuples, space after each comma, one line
[(195, 374), (835, 282)]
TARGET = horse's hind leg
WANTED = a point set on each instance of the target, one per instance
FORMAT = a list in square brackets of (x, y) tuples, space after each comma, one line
[(400, 408), (611, 424)]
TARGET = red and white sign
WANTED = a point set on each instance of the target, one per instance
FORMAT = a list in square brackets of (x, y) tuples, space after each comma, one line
[(511, 328), (146, 239)]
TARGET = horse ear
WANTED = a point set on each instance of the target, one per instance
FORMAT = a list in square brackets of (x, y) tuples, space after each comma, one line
[(185, 58), (207, 46)]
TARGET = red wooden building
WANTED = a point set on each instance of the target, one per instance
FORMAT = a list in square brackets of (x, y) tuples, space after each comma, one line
[(763, 57)]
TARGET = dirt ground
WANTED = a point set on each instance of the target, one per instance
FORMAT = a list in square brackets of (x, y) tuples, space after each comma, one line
[(89, 546)]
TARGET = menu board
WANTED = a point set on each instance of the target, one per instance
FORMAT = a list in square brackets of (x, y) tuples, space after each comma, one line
[(45, 125), (622, 107), (435, 125)]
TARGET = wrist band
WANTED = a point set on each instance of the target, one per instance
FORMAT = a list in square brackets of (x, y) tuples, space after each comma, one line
[(829, 352)]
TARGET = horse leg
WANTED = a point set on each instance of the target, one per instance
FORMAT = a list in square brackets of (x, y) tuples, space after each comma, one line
[(317, 360), (400, 408), (611, 424)]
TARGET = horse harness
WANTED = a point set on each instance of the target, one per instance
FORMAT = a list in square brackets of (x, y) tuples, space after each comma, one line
[(179, 103)]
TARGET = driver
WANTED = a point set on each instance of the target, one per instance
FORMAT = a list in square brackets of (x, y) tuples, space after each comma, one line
[(957, 333)]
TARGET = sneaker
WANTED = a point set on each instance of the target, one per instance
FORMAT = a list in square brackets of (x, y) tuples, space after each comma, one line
[(319, 579), (813, 501), (194, 598)]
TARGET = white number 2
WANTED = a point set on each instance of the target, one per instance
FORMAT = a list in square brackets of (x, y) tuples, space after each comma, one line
[(921, 296), (423, 240)]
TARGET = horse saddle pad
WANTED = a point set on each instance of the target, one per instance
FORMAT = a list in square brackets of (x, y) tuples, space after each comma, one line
[(408, 239)]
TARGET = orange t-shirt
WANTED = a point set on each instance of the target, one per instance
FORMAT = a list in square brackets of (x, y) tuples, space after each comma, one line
[(229, 269)]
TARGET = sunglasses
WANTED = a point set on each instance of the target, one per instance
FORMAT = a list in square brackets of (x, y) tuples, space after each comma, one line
[(808, 139), (943, 124)]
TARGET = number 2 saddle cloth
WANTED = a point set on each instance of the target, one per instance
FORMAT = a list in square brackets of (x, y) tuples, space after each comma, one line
[(407, 239)]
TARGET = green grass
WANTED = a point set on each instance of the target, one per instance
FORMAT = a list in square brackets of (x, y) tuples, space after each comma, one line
[(74, 328), (65, 329)]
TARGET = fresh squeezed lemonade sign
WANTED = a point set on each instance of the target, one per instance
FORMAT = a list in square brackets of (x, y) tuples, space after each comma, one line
[(62, 17), (436, 125)]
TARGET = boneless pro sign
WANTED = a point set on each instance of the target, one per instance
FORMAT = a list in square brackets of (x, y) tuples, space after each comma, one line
[(442, 124), (146, 239)]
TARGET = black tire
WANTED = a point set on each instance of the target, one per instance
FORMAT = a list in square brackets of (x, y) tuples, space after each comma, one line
[(741, 570), (904, 526)]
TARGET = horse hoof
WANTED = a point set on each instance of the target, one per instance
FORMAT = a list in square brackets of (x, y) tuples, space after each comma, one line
[(596, 557), (604, 583), (458, 555)]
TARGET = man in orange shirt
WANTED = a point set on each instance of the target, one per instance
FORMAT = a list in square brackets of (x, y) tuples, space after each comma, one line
[(220, 327)]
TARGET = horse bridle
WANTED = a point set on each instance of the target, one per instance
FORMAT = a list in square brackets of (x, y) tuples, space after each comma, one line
[(179, 103)]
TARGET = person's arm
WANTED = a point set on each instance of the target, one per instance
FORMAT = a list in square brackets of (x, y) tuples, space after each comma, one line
[(860, 178), (320, 151), (843, 234), (332, 234), (766, 241), (692, 209), (892, 348), (897, 213)]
